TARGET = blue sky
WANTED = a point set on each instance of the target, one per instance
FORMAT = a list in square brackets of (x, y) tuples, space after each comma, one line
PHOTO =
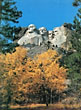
[(47, 13)]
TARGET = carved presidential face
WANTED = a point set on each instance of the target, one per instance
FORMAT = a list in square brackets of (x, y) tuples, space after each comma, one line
[(43, 30), (50, 35), (31, 28), (57, 31)]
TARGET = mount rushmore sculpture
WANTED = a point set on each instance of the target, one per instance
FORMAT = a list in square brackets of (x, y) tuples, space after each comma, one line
[(37, 37)]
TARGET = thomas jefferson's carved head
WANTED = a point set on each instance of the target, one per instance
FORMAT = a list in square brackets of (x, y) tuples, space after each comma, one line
[(43, 31)]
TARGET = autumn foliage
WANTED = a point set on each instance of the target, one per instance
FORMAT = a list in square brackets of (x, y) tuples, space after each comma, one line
[(27, 78)]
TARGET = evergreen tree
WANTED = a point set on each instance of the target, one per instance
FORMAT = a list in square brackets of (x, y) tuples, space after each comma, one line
[(73, 59), (8, 16), (77, 19)]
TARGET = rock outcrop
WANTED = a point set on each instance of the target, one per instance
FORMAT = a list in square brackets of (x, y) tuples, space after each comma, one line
[(37, 39), (33, 36)]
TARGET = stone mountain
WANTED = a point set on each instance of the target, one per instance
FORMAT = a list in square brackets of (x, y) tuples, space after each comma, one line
[(40, 40)]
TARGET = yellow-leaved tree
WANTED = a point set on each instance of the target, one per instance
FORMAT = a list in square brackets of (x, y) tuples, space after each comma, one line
[(38, 78), (43, 77), (11, 65)]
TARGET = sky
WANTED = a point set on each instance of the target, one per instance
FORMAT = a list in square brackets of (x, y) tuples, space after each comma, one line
[(46, 13)]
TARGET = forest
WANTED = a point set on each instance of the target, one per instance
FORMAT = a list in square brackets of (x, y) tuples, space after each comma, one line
[(48, 81)]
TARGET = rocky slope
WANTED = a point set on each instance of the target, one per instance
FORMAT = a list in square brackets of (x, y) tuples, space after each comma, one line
[(39, 40)]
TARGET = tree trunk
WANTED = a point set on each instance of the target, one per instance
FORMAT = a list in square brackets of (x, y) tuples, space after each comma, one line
[(51, 97), (46, 104)]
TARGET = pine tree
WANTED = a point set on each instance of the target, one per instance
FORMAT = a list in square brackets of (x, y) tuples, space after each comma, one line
[(77, 19), (8, 16), (76, 38), (73, 60)]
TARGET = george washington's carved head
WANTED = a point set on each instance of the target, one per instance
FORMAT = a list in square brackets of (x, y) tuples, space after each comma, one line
[(31, 28)]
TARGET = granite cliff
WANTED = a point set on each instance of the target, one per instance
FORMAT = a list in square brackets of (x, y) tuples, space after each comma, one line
[(39, 40)]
